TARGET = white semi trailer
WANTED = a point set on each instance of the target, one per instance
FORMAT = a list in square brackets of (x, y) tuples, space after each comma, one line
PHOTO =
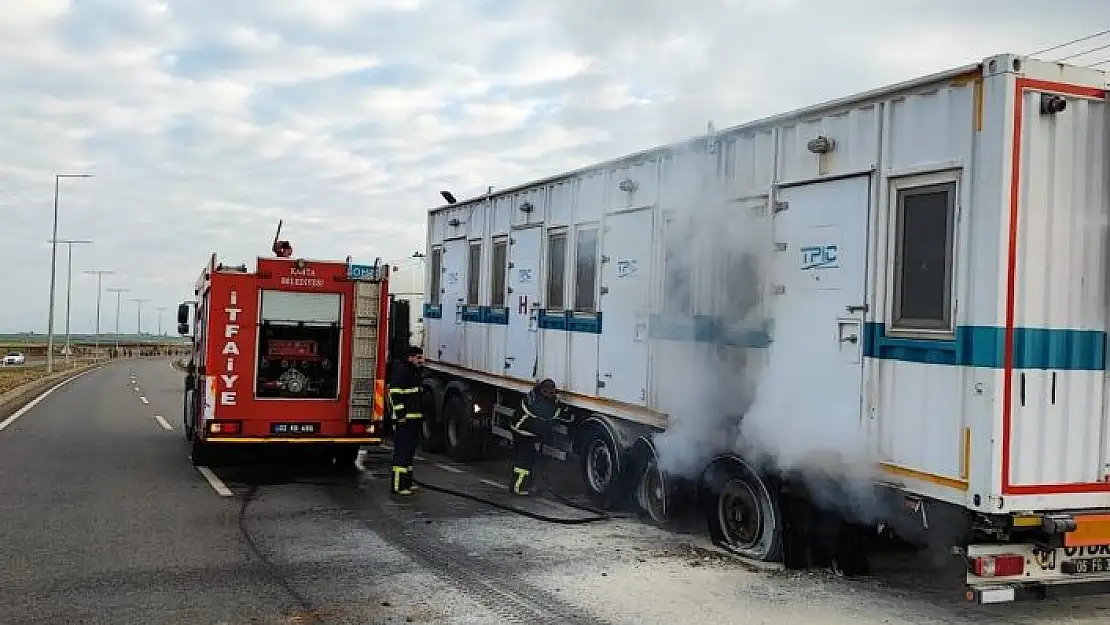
[(930, 272)]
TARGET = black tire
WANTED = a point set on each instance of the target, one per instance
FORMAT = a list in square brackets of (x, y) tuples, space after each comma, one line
[(432, 429), (653, 493), (743, 510), (344, 456), (600, 466), (463, 440), (201, 453), (188, 411)]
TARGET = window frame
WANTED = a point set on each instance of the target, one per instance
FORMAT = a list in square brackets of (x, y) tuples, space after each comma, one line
[(901, 188), (474, 272), (674, 228), (435, 269), (500, 242), (594, 307), (563, 234)]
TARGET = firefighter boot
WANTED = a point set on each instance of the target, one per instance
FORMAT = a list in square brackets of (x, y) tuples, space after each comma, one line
[(413, 486), (521, 481), (402, 481)]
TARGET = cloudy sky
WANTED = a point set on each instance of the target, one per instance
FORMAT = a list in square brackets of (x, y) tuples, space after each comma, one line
[(205, 122)]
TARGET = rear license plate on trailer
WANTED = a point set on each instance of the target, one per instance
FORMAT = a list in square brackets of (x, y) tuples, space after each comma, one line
[(1082, 566), (294, 428)]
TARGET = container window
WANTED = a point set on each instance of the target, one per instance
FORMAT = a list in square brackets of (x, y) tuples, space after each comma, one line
[(585, 271), (740, 286), (923, 258), (497, 273), (437, 275), (678, 275), (473, 274), (556, 270)]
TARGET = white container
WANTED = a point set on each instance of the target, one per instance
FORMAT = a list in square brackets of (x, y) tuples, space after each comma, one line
[(996, 403)]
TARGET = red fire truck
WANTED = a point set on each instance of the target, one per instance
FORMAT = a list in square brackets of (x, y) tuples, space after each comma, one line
[(292, 352)]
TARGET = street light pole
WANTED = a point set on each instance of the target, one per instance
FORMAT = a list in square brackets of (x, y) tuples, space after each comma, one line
[(139, 313), (53, 271), (119, 292), (69, 284), (160, 309), (99, 273)]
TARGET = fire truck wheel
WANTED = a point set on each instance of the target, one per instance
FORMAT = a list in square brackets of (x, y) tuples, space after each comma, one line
[(201, 453), (188, 413), (344, 457)]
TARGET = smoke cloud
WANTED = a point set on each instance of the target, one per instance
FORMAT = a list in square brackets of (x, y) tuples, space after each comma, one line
[(720, 261)]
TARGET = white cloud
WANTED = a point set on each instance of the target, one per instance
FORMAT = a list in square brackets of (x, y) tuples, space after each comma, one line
[(206, 123)]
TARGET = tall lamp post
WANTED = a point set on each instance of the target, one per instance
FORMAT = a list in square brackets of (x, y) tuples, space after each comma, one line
[(160, 309), (69, 283), (99, 273), (53, 271), (139, 313), (119, 292)]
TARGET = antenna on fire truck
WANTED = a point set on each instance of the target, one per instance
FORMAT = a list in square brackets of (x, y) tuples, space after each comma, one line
[(282, 249)]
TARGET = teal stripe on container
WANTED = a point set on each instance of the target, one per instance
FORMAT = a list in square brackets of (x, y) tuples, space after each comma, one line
[(983, 346), (974, 346), (587, 323), (706, 329)]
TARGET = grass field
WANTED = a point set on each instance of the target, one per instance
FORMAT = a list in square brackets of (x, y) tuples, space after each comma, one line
[(12, 377)]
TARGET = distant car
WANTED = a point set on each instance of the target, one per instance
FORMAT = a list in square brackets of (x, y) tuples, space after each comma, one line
[(15, 358)]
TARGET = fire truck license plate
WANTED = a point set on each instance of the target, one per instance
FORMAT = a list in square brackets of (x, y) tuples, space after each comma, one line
[(293, 428), (1082, 566)]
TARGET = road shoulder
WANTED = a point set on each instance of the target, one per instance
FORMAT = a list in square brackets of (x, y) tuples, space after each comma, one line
[(17, 398)]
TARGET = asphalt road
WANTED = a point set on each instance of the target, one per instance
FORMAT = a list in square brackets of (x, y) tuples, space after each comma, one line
[(103, 519)]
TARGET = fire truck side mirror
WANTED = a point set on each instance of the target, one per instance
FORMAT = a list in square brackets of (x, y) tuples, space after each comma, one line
[(183, 319)]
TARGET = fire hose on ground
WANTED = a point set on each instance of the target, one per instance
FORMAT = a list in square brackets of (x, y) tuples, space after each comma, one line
[(545, 489)]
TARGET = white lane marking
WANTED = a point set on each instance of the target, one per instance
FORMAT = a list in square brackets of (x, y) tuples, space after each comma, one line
[(27, 408), (494, 484), (216, 483), (144, 400), (447, 467), (162, 422), (420, 458)]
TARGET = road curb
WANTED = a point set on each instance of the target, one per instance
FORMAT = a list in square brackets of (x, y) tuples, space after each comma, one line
[(22, 395)]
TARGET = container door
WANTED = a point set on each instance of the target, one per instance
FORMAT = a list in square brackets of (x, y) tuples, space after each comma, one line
[(524, 303), (817, 306), (454, 299), (625, 298)]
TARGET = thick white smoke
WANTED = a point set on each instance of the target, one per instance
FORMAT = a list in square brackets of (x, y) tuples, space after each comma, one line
[(721, 262)]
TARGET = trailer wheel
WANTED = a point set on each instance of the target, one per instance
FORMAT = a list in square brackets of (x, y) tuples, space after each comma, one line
[(463, 440), (744, 516), (600, 466), (432, 428), (651, 493)]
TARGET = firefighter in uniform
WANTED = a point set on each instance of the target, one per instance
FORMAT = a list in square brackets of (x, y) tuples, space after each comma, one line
[(530, 425), (406, 397)]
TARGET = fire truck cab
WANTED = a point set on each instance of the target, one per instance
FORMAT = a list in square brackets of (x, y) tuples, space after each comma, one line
[(292, 352)]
